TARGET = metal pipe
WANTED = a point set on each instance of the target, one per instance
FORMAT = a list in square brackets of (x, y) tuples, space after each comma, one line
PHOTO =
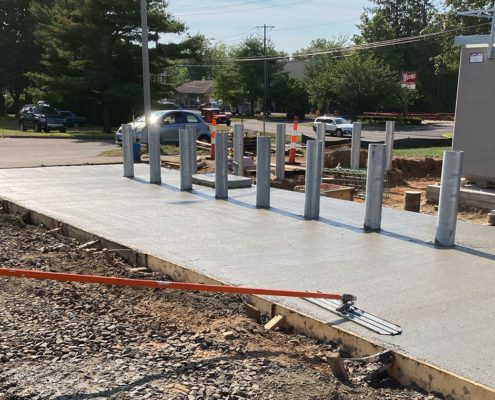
[(320, 136), (313, 180), (280, 152), (448, 202), (355, 145), (389, 142), (154, 153), (263, 146), (111, 280), (374, 187), (127, 150), (185, 159), (239, 149), (193, 147), (491, 38), (221, 168)]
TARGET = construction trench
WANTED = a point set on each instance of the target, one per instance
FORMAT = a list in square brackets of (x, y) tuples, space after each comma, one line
[(145, 224)]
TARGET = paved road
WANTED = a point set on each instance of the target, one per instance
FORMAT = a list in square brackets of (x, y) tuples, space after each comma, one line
[(26, 152), (430, 130)]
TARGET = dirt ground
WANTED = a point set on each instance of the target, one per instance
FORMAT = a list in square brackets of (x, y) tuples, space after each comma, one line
[(81, 341)]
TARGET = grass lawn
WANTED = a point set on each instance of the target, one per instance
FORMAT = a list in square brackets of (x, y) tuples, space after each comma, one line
[(9, 127), (424, 152)]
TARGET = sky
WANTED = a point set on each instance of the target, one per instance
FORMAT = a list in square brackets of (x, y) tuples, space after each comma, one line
[(296, 22)]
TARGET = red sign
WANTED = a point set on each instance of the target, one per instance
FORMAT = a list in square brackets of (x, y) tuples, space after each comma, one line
[(408, 80)]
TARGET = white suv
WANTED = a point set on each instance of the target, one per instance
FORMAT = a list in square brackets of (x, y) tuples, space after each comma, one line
[(334, 125)]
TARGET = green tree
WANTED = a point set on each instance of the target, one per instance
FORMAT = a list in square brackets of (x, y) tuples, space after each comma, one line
[(92, 53), (18, 50), (290, 95), (354, 84), (242, 79)]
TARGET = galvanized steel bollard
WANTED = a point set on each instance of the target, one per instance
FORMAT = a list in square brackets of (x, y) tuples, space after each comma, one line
[(374, 187), (185, 159), (154, 153), (263, 147), (193, 148), (320, 136), (356, 145), (280, 152), (221, 168), (448, 202), (238, 143), (389, 142), (127, 150), (313, 180)]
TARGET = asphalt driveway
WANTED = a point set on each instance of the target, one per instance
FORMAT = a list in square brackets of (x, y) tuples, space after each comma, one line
[(34, 152)]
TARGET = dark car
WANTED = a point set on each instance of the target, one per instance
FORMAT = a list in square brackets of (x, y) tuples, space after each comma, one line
[(71, 119), (41, 117)]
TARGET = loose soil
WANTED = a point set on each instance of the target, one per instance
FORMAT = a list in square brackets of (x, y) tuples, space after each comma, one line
[(66, 341)]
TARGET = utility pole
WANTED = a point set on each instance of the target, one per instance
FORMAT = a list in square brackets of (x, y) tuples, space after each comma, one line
[(265, 73), (146, 62)]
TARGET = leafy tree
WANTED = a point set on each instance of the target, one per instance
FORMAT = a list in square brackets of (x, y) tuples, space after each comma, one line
[(92, 52), (290, 95), (242, 79), (19, 53), (354, 84)]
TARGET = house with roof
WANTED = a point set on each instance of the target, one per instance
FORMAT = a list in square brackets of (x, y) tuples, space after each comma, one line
[(194, 93)]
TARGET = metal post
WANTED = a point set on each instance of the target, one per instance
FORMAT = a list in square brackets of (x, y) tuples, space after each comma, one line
[(185, 159), (491, 38), (193, 148), (320, 136), (127, 150), (221, 169), (374, 187), (389, 142), (154, 153), (239, 149), (448, 201), (263, 146), (313, 180), (355, 145), (146, 76), (280, 152)]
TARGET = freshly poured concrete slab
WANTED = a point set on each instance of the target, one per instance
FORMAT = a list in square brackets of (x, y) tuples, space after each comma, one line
[(442, 298), (234, 181)]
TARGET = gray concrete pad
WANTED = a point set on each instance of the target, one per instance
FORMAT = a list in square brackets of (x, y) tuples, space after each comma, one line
[(234, 181), (469, 196), (443, 299)]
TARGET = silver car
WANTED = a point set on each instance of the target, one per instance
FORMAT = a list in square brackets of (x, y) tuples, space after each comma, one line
[(334, 125), (169, 121)]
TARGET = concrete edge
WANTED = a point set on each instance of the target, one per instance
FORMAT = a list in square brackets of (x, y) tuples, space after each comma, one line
[(467, 198), (82, 137), (405, 369)]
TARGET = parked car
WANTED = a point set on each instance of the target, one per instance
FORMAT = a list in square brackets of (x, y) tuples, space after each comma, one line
[(215, 112), (334, 125), (71, 119), (169, 121), (41, 117)]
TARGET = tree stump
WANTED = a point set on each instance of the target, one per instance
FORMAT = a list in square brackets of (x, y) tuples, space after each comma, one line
[(412, 201)]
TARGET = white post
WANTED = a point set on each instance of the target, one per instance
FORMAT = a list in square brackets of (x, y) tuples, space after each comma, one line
[(313, 180), (263, 147), (280, 152), (238, 144), (127, 150), (374, 187), (154, 153), (221, 168), (389, 142), (193, 148), (448, 202), (355, 145), (185, 159), (320, 136)]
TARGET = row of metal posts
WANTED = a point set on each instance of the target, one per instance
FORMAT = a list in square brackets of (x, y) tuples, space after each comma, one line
[(379, 161)]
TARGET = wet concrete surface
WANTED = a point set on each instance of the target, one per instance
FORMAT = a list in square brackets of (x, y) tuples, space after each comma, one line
[(442, 298)]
